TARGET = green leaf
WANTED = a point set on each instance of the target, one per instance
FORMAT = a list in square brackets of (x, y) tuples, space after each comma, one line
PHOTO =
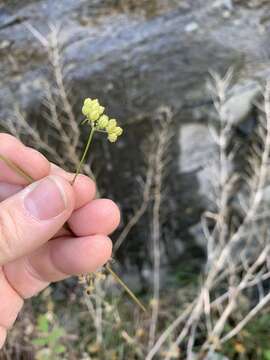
[(56, 333), (40, 342), (266, 354), (43, 324), (60, 349)]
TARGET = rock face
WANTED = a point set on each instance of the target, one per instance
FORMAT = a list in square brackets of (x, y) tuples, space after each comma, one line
[(135, 62), (125, 59), (198, 154)]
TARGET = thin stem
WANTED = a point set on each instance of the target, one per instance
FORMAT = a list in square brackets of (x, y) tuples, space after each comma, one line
[(16, 168), (130, 293), (84, 154)]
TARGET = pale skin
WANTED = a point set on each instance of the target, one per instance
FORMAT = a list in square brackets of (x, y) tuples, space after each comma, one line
[(35, 249)]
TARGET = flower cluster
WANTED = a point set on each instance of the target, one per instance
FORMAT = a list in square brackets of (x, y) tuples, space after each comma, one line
[(94, 114)]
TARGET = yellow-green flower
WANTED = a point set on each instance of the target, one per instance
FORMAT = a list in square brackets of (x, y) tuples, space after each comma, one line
[(118, 131), (98, 121), (101, 110), (92, 109), (111, 126), (87, 101), (93, 115), (85, 110), (103, 121), (112, 137)]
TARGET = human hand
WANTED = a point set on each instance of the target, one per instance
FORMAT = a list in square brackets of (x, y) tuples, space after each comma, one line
[(35, 249)]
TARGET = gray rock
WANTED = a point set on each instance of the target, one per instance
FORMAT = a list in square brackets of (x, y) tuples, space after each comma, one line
[(134, 64), (137, 62), (193, 26), (199, 154), (240, 104), (227, 4)]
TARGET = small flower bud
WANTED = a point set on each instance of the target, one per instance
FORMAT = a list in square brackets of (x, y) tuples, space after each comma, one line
[(85, 110), (92, 109), (93, 115), (112, 137), (111, 126), (95, 102), (101, 110), (87, 102), (118, 131), (103, 121)]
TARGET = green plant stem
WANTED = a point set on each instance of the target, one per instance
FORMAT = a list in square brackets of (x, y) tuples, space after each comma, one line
[(121, 282), (91, 134)]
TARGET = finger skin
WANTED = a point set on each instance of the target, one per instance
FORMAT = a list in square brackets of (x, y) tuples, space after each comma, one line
[(57, 260), (30, 160), (10, 303), (84, 187), (100, 216), (22, 233), (3, 335), (7, 190)]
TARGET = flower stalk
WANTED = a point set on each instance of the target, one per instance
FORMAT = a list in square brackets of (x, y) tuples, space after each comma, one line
[(99, 122), (90, 138)]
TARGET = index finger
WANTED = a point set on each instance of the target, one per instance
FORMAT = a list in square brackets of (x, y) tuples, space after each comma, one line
[(30, 161)]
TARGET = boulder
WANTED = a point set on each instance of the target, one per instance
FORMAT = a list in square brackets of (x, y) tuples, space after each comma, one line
[(135, 61)]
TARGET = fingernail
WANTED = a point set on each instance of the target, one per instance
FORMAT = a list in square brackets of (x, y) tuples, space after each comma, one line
[(46, 200)]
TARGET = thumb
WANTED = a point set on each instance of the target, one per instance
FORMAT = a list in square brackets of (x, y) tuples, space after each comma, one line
[(33, 216)]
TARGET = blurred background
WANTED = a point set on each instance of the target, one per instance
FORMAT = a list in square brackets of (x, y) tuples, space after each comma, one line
[(187, 80)]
